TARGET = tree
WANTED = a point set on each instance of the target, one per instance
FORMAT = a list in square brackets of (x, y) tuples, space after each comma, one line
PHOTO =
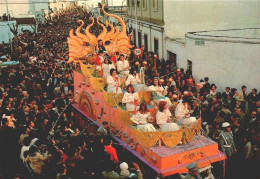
[(14, 41)]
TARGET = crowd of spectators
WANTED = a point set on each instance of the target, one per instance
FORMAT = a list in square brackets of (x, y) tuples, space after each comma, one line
[(39, 135), (238, 107)]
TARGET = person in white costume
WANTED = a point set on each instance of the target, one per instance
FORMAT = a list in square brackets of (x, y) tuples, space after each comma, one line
[(107, 66), (159, 93), (134, 79), (163, 118), (141, 118), (122, 66), (113, 83), (131, 99), (182, 112)]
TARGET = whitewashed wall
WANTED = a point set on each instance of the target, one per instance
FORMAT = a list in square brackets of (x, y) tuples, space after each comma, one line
[(22, 7), (178, 49), (225, 63), (182, 16)]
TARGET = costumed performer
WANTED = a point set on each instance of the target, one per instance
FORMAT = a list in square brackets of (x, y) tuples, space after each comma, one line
[(163, 118), (182, 112), (159, 92), (131, 99), (107, 66), (141, 118), (134, 79), (122, 66), (113, 83)]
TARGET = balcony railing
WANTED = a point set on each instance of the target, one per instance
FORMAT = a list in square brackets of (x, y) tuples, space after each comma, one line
[(117, 9)]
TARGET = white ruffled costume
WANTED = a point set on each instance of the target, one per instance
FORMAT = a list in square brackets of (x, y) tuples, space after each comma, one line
[(113, 86), (162, 120), (106, 69), (123, 67), (160, 93), (136, 82), (141, 121), (182, 114), (129, 99)]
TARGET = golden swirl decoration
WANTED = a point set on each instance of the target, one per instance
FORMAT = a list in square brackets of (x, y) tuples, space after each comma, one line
[(172, 138), (125, 116), (112, 99), (197, 126), (87, 70), (97, 84), (144, 96), (189, 134), (147, 139), (80, 44)]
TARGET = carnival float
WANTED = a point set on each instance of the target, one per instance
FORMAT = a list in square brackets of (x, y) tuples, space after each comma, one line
[(167, 152)]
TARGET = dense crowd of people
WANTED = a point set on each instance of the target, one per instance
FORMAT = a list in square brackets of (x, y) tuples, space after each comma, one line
[(40, 137)]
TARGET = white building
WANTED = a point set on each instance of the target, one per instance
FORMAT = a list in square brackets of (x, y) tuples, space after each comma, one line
[(162, 25), (23, 7), (227, 57)]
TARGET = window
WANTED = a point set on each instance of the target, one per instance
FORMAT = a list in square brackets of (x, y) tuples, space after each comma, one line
[(144, 4), (145, 42), (133, 3), (134, 36), (189, 63), (138, 3), (155, 4), (156, 46), (128, 4), (139, 39)]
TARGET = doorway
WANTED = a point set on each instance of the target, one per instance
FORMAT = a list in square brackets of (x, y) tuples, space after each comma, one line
[(139, 39), (189, 67), (134, 36), (145, 42), (172, 57), (156, 46)]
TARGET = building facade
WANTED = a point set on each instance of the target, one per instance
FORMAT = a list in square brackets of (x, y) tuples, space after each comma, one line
[(145, 20), (161, 26)]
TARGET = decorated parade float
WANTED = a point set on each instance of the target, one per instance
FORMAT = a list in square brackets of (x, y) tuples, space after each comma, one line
[(166, 153)]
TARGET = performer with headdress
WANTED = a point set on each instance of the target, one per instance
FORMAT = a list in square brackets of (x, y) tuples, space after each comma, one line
[(131, 99), (164, 117), (159, 92), (141, 118), (113, 83), (182, 112)]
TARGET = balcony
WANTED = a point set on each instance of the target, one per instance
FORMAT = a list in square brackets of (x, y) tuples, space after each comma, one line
[(122, 10)]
